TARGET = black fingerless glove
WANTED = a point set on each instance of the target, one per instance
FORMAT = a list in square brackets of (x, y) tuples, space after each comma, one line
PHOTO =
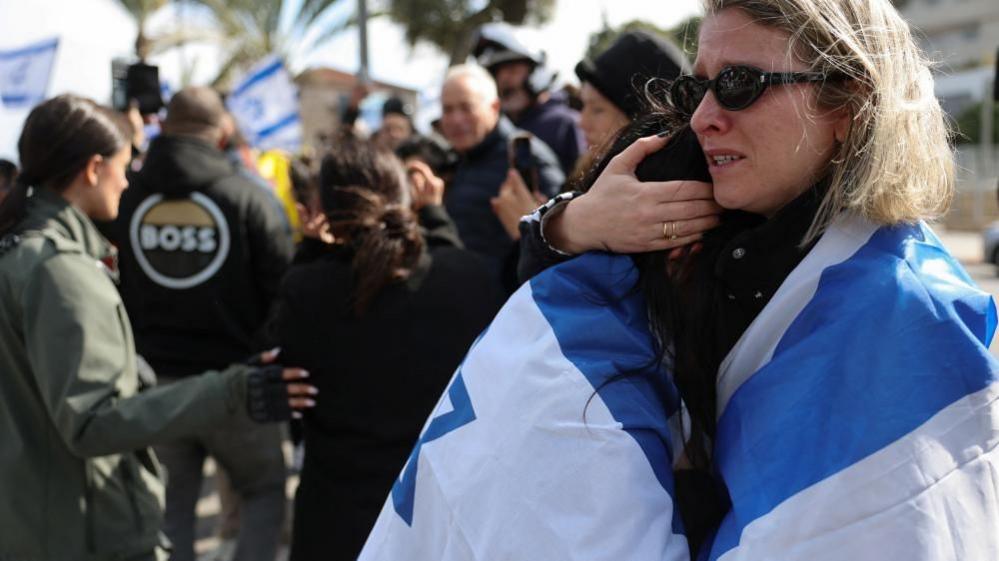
[(267, 395)]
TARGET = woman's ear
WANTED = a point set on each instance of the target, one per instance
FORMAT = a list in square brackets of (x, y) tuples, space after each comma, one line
[(841, 128), (92, 168)]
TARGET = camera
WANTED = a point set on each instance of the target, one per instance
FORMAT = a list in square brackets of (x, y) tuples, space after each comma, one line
[(139, 82)]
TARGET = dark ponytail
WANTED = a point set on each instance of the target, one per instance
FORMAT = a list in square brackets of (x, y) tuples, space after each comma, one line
[(58, 138), (366, 198)]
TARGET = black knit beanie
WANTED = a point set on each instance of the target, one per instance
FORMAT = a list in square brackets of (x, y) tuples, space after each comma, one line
[(620, 72)]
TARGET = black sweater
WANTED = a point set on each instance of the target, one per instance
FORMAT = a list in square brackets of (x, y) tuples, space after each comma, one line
[(379, 377), (202, 251)]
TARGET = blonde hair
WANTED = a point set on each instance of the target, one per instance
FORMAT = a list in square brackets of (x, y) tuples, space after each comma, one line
[(895, 165)]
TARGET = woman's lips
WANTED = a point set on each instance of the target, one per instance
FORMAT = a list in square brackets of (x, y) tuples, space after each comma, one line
[(723, 159)]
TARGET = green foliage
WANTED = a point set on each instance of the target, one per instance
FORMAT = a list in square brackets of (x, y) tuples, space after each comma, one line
[(250, 29), (684, 35), (969, 125), (141, 10), (449, 24)]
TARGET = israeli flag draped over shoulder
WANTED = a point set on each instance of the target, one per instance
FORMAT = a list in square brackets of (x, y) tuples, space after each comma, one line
[(857, 415), (25, 72), (265, 105), (857, 421), (539, 448)]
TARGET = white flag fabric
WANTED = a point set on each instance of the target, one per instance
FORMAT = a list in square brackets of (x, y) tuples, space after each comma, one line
[(25, 73), (265, 105), (858, 418), (553, 440)]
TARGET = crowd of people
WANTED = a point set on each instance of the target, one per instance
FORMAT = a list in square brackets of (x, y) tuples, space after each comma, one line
[(143, 330)]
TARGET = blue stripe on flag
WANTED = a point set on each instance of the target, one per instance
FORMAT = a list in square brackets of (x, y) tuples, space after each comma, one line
[(252, 80), (607, 337), (21, 99), (887, 342), (31, 49), (290, 119), (462, 413)]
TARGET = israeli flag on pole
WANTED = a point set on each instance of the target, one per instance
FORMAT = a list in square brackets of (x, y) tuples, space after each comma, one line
[(25, 72), (554, 440), (858, 415), (265, 105)]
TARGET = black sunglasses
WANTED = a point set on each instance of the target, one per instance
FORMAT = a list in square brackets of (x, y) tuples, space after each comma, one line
[(736, 87)]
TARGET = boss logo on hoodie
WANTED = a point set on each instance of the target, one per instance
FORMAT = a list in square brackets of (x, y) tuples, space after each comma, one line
[(179, 243)]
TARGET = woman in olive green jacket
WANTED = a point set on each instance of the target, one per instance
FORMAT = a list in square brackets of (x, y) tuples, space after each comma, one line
[(77, 480)]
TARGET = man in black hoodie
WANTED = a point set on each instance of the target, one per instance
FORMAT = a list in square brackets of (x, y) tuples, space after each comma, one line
[(202, 252)]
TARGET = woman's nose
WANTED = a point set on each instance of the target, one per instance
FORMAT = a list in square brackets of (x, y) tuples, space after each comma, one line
[(710, 117)]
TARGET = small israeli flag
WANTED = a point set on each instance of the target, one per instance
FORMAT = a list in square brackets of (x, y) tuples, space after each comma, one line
[(265, 105), (553, 441), (25, 73), (859, 414)]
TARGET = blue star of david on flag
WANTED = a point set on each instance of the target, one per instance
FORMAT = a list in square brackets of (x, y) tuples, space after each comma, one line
[(461, 413)]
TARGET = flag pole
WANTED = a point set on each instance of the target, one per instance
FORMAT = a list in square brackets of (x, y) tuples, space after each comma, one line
[(362, 25)]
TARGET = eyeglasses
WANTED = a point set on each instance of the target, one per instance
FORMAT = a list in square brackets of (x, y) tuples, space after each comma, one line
[(736, 87)]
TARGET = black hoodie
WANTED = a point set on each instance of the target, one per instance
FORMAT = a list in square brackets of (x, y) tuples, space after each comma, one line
[(202, 252)]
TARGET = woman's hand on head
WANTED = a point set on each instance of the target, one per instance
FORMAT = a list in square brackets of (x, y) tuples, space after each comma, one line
[(426, 188), (315, 225), (624, 215)]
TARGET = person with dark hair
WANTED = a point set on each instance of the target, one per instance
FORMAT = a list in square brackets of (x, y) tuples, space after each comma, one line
[(78, 418), (203, 250), (435, 154), (381, 322), (397, 124), (8, 173)]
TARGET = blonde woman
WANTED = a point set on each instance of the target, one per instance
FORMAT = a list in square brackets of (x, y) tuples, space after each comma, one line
[(832, 355)]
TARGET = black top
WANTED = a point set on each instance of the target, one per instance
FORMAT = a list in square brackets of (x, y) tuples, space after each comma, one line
[(477, 179), (379, 377), (201, 251), (557, 125)]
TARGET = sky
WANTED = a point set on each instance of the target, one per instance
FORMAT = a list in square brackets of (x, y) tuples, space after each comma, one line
[(92, 32)]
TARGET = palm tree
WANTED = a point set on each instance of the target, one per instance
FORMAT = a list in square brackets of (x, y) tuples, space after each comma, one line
[(253, 29), (141, 10)]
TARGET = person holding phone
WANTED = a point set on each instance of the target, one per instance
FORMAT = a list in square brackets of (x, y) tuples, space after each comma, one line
[(614, 85), (472, 123)]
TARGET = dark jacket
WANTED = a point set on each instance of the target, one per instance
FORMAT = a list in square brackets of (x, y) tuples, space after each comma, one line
[(202, 252), (477, 179), (379, 377), (77, 480), (557, 125)]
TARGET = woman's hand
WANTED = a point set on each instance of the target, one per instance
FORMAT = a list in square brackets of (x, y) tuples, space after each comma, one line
[(513, 202), (315, 225), (623, 215), (268, 384), (426, 188)]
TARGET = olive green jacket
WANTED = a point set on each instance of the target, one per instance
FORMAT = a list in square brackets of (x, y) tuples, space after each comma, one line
[(77, 480)]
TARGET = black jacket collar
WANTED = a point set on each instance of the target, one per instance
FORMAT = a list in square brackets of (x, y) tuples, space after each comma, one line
[(178, 165), (503, 130)]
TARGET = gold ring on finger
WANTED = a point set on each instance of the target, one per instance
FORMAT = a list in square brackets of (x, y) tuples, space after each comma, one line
[(669, 230)]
